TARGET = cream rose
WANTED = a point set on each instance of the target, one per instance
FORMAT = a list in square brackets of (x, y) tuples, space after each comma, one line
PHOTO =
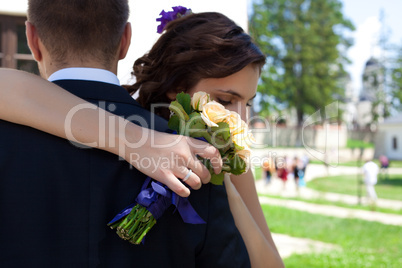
[(199, 99), (243, 139), (213, 113), (236, 124)]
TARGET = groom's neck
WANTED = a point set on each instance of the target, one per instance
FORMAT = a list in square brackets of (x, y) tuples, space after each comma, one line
[(49, 67)]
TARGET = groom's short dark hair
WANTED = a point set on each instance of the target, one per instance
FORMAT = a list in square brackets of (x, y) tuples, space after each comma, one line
[(79, 28)]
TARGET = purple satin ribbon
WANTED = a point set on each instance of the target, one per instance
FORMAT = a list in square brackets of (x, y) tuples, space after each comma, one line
[(157, 199)]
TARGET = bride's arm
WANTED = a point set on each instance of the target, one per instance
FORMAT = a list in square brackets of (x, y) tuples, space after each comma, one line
[(250, 221), (29, 100)]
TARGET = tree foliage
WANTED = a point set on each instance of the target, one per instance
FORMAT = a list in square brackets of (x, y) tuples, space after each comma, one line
[(306, 51), (396, 81)]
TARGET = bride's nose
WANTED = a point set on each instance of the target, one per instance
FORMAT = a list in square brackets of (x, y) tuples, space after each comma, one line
[(242, 111)]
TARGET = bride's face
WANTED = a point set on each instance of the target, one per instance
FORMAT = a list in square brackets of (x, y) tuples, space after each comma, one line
[(236, 92)]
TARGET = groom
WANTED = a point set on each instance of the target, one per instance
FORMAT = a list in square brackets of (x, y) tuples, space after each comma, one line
[(56, 198)]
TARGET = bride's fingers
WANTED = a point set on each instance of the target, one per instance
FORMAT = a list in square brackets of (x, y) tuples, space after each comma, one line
[(188, 176), (205, 150), (200, 170), (171, 181)]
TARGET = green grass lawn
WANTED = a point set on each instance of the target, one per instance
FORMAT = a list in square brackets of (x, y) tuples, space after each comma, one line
[(321, 201), (358, 144), (257, 173), (347, 184), (363, 243)]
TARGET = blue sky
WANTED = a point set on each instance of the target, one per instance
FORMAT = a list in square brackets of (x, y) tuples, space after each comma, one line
[(365, 15)]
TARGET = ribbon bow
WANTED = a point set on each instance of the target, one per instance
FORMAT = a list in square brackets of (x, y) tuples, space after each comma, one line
[(157, 199)]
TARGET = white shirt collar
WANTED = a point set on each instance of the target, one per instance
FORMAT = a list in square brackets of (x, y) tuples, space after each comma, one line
[(89, 74)]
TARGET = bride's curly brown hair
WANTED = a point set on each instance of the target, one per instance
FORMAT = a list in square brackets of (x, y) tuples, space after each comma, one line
[(194, 47)]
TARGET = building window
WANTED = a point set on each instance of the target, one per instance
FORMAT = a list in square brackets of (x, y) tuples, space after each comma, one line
[(14, 51), (394, 143)]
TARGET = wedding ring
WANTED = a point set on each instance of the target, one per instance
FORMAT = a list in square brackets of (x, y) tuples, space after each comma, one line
[(187, 176)]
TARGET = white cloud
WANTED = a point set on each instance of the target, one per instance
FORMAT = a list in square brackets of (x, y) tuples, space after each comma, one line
[(365, 46)]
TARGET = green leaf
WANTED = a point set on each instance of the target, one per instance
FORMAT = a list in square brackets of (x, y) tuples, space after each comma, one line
[(174, 123), (217, 179), (178, 109), (185, 100), (220, 137), (222, 145), (195, 127), (238, 147), (237, 164), (222, 130), (195, 121)]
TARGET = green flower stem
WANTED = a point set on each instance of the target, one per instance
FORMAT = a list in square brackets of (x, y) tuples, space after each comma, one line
[(135, 225), (133, 229), (115, 225), (148, 227)]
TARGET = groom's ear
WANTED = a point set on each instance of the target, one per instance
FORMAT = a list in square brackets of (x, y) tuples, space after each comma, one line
[(33, 41), (125, 41)]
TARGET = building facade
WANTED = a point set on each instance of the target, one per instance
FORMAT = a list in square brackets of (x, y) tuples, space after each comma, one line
[(14, 51), (389, 138)]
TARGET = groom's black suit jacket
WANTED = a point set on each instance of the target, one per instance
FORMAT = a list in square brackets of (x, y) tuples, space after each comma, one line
[(56, 199)]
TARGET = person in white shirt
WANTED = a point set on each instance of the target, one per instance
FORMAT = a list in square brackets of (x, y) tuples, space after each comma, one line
[(370, 172)]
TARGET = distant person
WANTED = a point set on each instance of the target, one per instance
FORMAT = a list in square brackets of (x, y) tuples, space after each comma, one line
[(295, 167), (268, 167), (299, 171), (281, 170), (370, 172), (384, 162), (289, 168)]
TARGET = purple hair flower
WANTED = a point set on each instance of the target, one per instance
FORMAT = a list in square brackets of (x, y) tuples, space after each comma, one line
[(177, 12)]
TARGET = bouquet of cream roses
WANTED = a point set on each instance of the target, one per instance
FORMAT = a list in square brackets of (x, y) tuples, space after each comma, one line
[(201, 117), (197, 117)]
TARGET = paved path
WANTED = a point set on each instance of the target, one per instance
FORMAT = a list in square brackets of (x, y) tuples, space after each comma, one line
[(335, 211), (276, 187), (287, 245), (314, 171)]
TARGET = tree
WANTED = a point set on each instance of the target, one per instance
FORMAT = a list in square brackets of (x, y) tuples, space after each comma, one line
[(305, 52), (396, 81)]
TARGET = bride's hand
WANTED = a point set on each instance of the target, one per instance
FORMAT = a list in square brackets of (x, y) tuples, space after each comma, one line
[(169, 158)]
